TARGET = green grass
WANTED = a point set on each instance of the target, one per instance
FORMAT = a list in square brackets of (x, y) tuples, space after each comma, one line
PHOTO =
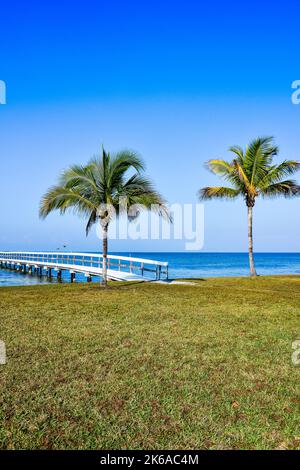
[(151, 366)]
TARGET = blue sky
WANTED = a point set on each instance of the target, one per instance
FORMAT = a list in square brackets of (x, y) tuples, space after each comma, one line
[(178, 81)]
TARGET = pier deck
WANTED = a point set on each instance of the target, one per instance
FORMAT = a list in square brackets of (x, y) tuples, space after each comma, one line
[(119, 268)]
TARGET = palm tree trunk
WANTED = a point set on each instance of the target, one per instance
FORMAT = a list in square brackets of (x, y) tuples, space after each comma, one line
[(250, 241), (104, 265)]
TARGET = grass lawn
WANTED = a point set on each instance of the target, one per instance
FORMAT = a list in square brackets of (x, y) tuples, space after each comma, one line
[(151, 366)]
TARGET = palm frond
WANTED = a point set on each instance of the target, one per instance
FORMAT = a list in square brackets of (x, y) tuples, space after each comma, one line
[(225, 170), (219, 192), (220, 167), (121, 163), (102, 182), (126, 159), (258, 157), (92, 220), (238, 151), (140, 191), (78, 175), (277, 172), (63, 199), (248, 187), (252, 173), (287, 188)]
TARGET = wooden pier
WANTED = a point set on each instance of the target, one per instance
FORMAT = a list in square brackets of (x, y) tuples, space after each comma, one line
[(119, 268)]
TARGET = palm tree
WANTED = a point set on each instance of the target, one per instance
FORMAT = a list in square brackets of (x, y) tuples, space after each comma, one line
[(252, 174), (103, 189)]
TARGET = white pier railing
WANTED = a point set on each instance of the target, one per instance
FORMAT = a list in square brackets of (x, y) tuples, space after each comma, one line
[(119, 268)]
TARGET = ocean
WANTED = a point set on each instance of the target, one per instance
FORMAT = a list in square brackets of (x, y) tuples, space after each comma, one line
[(190, 265)]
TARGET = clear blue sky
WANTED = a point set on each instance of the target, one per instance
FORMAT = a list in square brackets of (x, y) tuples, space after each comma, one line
[(177, 81)]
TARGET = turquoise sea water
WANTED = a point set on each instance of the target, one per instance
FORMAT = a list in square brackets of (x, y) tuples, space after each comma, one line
[(191, 265)]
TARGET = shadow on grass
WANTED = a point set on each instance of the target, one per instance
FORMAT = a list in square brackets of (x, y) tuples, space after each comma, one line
[(126, 285), (116, 285)]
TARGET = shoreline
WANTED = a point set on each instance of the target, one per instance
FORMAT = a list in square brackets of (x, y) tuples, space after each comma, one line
[(170, 282), (182, 266)]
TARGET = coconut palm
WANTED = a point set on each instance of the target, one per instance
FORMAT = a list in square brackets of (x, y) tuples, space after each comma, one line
[(252, 173), (104, 188)]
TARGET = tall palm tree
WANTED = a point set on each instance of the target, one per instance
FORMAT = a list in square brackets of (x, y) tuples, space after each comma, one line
[(103, 189), (252, 174)]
